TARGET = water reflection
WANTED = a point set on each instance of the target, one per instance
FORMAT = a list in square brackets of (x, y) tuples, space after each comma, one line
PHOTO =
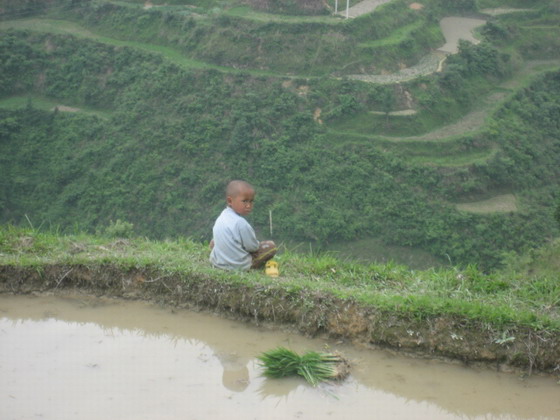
[(62, 357), (236, 374)]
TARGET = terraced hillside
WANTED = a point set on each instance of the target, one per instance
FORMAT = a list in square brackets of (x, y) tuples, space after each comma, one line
[(350, 128)]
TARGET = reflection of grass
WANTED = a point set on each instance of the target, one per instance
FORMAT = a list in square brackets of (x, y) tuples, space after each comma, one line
[(500, 204), (47, 104)]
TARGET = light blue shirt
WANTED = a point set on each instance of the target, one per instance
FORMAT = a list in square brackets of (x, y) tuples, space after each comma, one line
[(234, 240)]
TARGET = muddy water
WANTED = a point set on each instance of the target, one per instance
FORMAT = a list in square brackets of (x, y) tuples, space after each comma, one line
[(456, 28), (85, 358)]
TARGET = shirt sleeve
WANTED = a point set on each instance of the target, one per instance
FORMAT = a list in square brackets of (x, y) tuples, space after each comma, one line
[(247, 235)]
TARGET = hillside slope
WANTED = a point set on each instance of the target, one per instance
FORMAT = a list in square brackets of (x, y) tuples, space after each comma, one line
[(166, 127)]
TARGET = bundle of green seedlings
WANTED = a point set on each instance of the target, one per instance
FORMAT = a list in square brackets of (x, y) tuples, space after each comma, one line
[(313, 366)]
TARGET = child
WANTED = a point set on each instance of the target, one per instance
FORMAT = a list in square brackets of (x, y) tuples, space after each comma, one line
[(234, 244)]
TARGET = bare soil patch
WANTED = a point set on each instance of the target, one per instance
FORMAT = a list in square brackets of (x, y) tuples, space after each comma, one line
[(401, 113), (317, 116), (428, 64), (64, 108)]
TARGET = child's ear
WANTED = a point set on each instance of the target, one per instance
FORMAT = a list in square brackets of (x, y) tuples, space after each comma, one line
[(229, 200)]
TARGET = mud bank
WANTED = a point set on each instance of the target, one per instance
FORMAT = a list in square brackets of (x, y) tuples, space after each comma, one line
[(472, 342)]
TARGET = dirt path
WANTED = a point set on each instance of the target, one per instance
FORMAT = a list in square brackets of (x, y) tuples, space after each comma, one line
[(429, 64), (470, 123), (475, 120), (64, 108), (504, 203), (502, 11), (366, 6)]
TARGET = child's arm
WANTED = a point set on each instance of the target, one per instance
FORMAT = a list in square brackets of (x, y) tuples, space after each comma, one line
[(249, 240)]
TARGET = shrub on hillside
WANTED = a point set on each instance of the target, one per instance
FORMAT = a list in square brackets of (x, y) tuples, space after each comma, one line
[(117, 229), (291, 7)]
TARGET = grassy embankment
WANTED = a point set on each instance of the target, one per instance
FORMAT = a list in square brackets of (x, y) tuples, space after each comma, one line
[(510, 318)]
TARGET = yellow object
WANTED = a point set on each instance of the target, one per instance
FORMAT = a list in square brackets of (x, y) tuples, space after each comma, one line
[(271, 268)]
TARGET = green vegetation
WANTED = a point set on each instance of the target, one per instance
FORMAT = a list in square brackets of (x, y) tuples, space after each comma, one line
[(372, 250), (524, 294), (235, 38), (176, 101), (510, 3), (65, 27), (540, 262), (248, 13), (314, 367), (46, 104)]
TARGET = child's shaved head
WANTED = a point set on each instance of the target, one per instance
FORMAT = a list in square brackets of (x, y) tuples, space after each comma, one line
[(236, 186)]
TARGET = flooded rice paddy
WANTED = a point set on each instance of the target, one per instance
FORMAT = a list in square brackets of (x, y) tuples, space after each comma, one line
[(87, 358), (456, 28)]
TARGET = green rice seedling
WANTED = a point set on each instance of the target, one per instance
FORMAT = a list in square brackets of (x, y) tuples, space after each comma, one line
[(280, 362), (314, 367)]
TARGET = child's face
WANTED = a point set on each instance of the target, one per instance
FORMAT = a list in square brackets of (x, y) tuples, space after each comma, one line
[(242, 203)]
